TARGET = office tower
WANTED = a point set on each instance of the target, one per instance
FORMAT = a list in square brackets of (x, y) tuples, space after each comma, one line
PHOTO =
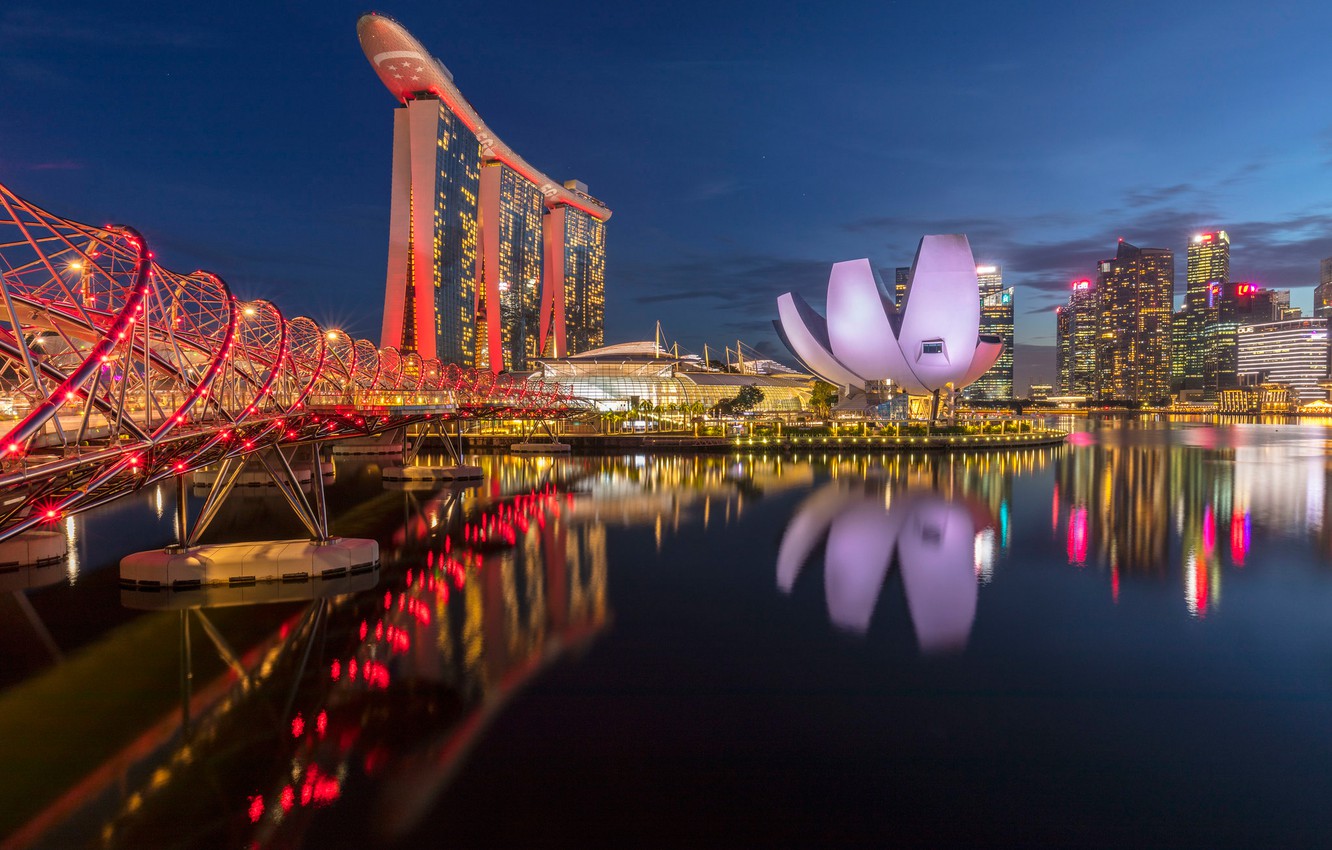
[(1179, 344), (996, 319), (1134, 298), (1075, 352), (1231, 306), (491, 263), (1323, 292), (1293, 352), (901, 275), (1208, 263)]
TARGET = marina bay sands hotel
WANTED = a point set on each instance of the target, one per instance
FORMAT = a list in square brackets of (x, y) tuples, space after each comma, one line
[(490, 262)]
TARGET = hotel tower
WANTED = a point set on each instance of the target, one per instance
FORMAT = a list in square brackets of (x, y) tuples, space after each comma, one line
[(490, 262)]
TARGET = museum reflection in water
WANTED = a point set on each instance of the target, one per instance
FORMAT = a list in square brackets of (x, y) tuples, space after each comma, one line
[(925, 520), (379, 690)]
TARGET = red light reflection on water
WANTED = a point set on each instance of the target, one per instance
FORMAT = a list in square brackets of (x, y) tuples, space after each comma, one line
[(1077, 536), (1201, 586), (1209, 531), (1239, 537)]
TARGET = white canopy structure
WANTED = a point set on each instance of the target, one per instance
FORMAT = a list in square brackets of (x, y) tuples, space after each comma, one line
[(931, 343)]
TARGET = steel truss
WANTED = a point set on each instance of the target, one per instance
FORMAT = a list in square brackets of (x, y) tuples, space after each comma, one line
[(116, 372)]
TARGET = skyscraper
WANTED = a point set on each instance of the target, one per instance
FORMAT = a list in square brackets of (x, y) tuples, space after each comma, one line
[(1075, 352), (996, 319), (491, 263), (1179, 347), (428, 301), (901, 276), (1232, 306), (1323, 292), (1208, 263), (576, 256), (1135, 291), (511, 261)]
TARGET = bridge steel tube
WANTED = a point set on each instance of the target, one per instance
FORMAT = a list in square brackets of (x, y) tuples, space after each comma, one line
[(118, 372)]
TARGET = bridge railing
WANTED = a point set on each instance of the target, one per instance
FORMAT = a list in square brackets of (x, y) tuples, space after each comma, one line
[(116, 372)]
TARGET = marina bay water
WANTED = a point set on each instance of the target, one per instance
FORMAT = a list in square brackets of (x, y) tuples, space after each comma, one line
[(1125, 640)]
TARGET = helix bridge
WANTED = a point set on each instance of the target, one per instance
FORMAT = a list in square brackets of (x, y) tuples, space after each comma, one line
[(116, 372)]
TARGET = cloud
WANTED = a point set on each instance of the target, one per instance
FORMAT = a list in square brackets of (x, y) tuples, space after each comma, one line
[(58, 165), (710, 189), (686, 295), (714, 298), (1150, 197), (46, 27)]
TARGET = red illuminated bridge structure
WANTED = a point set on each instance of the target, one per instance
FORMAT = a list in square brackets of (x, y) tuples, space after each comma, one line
[(116, 372)]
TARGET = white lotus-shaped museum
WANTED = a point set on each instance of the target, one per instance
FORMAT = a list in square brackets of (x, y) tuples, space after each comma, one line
[(930, 344)]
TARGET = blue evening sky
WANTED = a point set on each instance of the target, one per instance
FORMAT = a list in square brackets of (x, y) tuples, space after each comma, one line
[(743, 146)]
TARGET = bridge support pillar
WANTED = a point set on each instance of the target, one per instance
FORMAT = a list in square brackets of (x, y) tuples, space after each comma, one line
[(182, 512), (458, 471), (320, 508)]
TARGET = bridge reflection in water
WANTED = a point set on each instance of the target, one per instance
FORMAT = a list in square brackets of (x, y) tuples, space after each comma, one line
[(372, 699), (482, 591)]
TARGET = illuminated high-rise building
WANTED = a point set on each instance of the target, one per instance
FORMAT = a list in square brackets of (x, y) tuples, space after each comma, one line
[(1323, 292), (1179, 346), (491, 262), (901, 277), (996, 319), (1230, 307), (1135, 294), (576, 255), (511, 264), (1208, 263), (1076, 336), (428, 302), (1293, 352)]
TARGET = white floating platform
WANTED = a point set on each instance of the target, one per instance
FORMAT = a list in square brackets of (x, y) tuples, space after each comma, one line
[(147, 598), (28, 578), (461, 472), (33, 549), (248, 563), (546, 448)]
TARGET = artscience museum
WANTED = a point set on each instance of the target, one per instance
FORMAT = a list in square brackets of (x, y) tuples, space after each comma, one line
[(929, 346)]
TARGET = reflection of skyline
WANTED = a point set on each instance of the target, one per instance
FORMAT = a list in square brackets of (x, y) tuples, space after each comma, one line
[(1196, 503), (483, 609)]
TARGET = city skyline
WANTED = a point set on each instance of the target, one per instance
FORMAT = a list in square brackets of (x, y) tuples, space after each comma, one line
[(721, 202)]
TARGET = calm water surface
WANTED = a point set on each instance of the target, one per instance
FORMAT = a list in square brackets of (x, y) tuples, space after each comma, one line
[(1123, 641)]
